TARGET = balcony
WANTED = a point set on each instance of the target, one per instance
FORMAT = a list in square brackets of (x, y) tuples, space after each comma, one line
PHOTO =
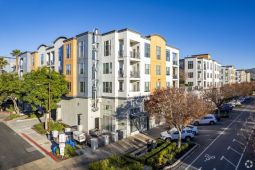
[(121, 53), (134, 74), (134, 55), (175, 76), (175, 62), (121, 73), (135, 89)]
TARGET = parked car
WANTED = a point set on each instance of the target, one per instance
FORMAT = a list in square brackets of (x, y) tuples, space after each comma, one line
[(208, 119), (193, 128), (173, 134)]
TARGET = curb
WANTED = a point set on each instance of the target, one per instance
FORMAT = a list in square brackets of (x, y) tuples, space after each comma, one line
[(181, 158), (39, 146)]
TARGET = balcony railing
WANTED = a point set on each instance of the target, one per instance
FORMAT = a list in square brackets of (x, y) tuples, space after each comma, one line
[(175, 76), (135, 55), (136, 89), (175, 62), (134, 74), (199, 67), (121, 73), (121, 53)]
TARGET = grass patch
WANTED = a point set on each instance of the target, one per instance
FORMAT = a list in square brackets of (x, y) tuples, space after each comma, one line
[(12, 116), (39, 128), (115, 163), (34, 115)]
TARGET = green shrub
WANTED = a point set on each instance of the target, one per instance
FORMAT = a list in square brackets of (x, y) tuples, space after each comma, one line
[(56, 126), (39, 128), (115, 163), (69, 150)]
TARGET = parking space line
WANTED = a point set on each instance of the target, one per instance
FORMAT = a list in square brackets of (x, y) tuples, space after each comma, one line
[(244, 150), (222, 132), (230, 148), (227, 161), (234, 140)]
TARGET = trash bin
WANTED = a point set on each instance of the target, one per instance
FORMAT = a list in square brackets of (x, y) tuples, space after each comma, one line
[(93, 143), (114, 136), (105, 139)]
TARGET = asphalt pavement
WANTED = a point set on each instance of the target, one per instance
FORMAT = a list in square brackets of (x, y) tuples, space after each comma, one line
[(220, 146), (15, 151)]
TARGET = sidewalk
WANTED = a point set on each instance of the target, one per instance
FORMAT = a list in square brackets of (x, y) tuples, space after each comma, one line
[(23, 128)]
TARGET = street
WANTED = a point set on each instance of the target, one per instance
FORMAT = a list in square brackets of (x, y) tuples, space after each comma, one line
[(15, 151), (221, 146)]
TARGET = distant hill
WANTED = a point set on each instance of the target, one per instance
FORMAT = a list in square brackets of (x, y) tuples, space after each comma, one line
[(252, 71)]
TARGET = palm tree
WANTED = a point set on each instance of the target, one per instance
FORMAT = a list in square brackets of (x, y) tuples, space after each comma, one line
[(3, 63), (16, 53)]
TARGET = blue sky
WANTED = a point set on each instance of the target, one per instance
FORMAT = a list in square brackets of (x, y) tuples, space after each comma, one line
[(223, 28)]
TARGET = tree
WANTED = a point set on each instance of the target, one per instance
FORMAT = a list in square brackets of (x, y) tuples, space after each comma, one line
[(3, 63), (11, 87), (44, 88), (16, 53), (177, 107)]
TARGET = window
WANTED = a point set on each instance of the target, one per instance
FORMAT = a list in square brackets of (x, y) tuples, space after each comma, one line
[(158, 84), (107, 68), (60, 54), (69, 86), (190, 74), (168, 71), (81, 48), (146, 86), (68, 69), (147, 68), (82, 87), (81, 68), (168, 84), (158, 70), (68, 51), (120, 86), (158, 52), (107, 87), (147, 50), (190, 64), (42, 59), (107, 48), (167, 55), (175, 58), (190, 84)]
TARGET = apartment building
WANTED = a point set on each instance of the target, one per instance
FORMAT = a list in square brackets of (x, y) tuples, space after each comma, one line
[(201, 72), (248, 77), (228, 75), (23, 63), (241, 76), (108, 77)]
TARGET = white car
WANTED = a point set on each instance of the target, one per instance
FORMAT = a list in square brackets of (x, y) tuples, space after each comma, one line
[(173, 134), (208, 119), (193, 128)]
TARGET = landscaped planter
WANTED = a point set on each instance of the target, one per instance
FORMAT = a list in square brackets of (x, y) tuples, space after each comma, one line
[(164, 155)]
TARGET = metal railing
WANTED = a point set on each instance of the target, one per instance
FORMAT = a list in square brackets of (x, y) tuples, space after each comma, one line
[(134, 55), (121, 73), (175, 76), (175, 62), (134, 74)]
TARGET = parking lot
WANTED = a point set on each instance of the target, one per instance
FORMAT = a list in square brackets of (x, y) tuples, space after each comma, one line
[(220, 145)]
